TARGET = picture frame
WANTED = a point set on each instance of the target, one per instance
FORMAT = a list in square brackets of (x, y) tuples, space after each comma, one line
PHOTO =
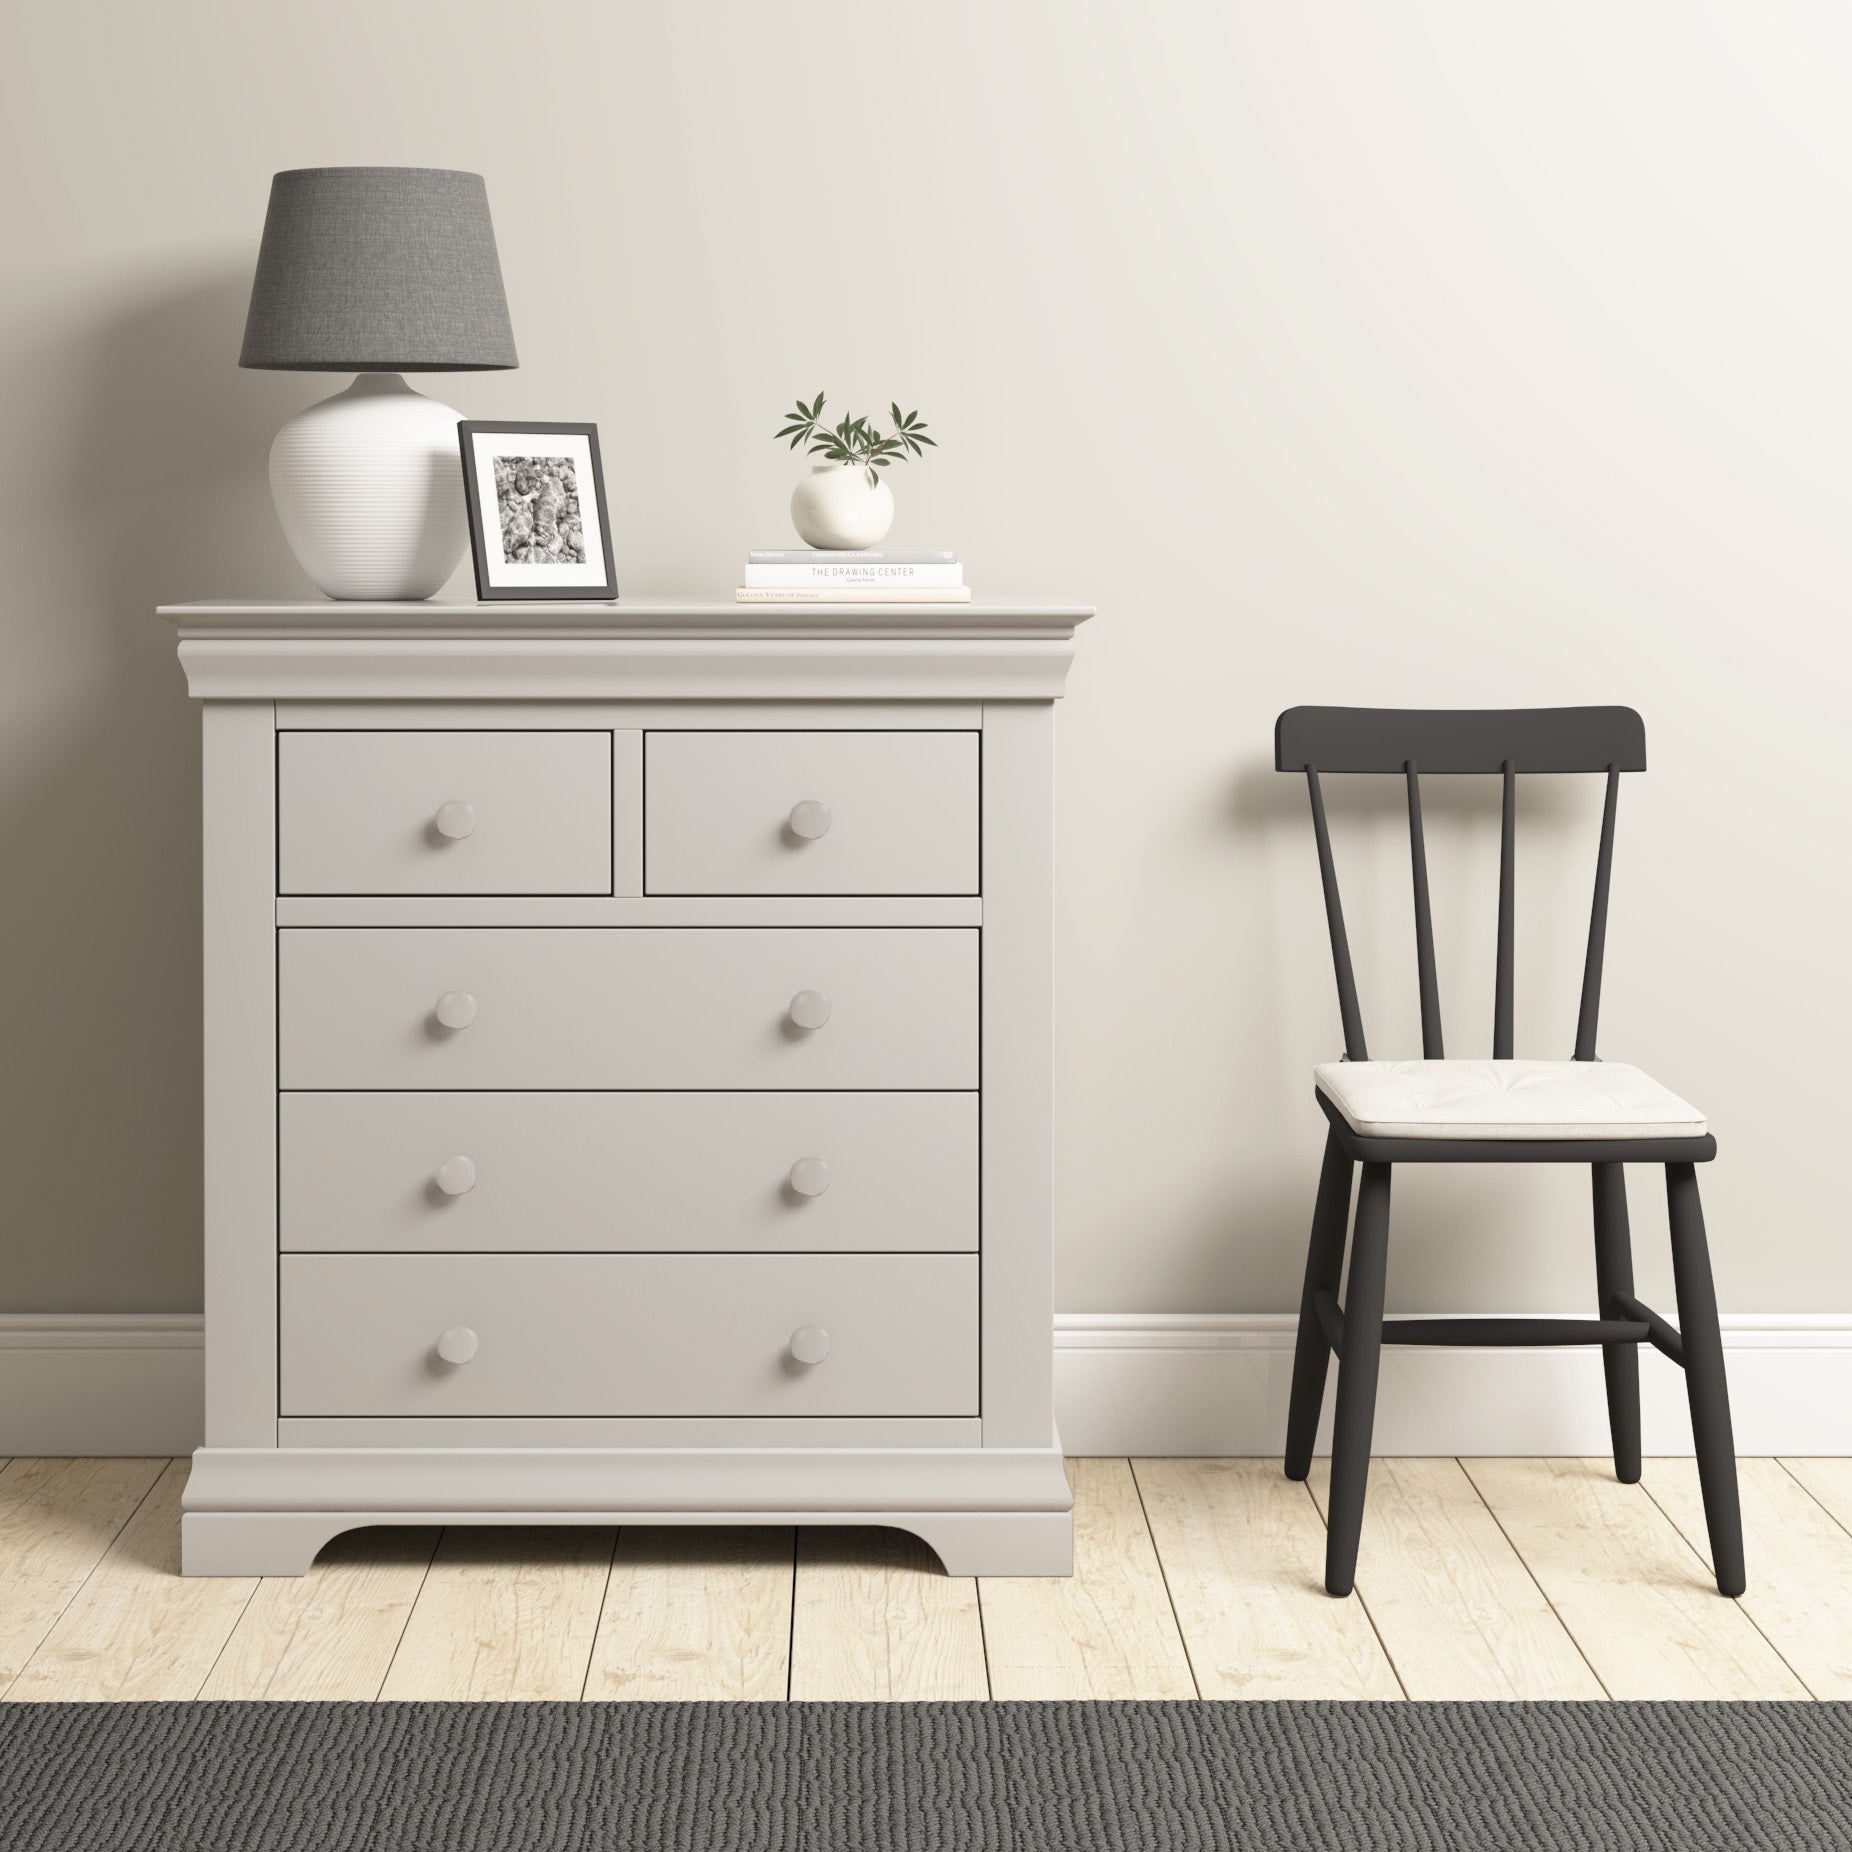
[(539, 528)]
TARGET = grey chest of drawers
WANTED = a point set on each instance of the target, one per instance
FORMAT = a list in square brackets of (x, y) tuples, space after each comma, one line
[(627, 1055)]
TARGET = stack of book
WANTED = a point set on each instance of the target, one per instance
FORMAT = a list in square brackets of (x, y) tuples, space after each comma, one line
[(813, 575)]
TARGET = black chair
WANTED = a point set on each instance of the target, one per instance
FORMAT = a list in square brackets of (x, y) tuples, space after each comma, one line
[(1436, 1111)]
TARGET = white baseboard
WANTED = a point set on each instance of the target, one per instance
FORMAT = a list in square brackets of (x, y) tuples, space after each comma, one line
[(101, 1384), (1216, 1384), (127, 1384)]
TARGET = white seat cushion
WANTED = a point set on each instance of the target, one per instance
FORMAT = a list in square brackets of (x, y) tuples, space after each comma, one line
[(1505, 1099)]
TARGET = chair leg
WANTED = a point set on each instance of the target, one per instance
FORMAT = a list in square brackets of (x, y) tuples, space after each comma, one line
[(1620, 1363), (1357, 1370), (1705, 1386), (1324, 1262)]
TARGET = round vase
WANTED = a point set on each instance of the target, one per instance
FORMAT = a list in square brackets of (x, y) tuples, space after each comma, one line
[(834, 507), (369, 489)]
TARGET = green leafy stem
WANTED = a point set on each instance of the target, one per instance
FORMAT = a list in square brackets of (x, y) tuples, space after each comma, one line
[(855, 440)]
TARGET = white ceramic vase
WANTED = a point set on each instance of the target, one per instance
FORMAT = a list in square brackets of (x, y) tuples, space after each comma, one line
[(369, 489), (834, 507)]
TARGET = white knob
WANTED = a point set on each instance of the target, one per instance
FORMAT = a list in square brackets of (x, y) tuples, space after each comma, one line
[(810, 1009), (810, 1176), (456, 819), (458, 1344), (456, 1009), (456, 1176), (810, 819), (810, 1344)]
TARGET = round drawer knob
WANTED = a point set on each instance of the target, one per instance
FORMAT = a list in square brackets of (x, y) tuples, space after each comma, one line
[(456, 1009), (810, 1176), (458, 1344), (810, 1344), (456, 1176), (810, 819), (456, 819), (810, 1009)]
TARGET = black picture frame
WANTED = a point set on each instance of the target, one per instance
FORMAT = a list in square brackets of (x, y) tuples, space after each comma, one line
[(485, 548)]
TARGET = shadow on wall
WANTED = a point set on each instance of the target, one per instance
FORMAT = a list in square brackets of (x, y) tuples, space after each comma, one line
[(149, 486)]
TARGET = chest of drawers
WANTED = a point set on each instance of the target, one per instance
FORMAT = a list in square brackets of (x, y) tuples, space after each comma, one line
[(628, 1072)]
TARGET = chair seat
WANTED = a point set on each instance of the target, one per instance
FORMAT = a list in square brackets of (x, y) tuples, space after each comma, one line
[(1505, 1099)]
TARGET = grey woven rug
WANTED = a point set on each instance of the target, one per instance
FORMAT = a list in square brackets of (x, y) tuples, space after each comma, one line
[(922, 1778)]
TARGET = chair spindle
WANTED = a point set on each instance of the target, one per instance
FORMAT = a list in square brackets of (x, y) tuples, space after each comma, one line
[(1507, 915), (1597, 926), (1431, 1045), (1354, 1046)]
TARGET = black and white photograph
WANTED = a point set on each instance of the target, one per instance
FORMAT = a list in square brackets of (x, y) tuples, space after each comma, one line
[(537, 499), (537, 522)]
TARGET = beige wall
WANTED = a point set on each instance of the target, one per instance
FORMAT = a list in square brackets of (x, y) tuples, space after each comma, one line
[(1421, 353)]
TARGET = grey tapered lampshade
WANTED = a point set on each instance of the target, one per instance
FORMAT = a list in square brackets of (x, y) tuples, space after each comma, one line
[(378, 270)]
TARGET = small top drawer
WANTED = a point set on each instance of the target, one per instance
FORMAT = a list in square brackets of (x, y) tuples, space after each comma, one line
[(444, 813), (811, 813)]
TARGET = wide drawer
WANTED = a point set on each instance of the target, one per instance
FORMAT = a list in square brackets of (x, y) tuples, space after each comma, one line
[(628, 1334), (444, 813), (610, 1172), (811, 813), (598, 1007)]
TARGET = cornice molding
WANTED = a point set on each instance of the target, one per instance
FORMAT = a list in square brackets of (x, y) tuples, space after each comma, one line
[(681, 649)]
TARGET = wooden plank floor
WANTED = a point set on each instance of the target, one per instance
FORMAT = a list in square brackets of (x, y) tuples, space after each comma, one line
[(1194, 1578)]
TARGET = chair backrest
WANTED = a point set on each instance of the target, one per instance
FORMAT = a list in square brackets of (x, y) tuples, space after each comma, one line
[(1410, 741)]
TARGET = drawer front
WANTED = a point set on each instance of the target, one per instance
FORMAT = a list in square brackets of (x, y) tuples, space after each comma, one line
[(616, 1172), (628, 1334), (593, 1008), (444, 813), (811, 813)]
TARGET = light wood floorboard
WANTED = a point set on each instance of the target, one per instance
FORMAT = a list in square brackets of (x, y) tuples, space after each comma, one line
[(699, 1613), (1830, 1482), (1476, 1579), (877, 1620), (330, 1634), (138, 1628), (505, 1612), (1106, 1632), (1638, 1599), (1456, 1610), (1243, 1549), (1799, 1560), (57, 1518)]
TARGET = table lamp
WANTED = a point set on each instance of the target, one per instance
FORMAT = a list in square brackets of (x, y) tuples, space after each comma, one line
[(378, 272)]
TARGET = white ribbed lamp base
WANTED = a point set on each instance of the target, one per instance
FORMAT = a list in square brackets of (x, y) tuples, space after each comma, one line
[(369, 489)]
